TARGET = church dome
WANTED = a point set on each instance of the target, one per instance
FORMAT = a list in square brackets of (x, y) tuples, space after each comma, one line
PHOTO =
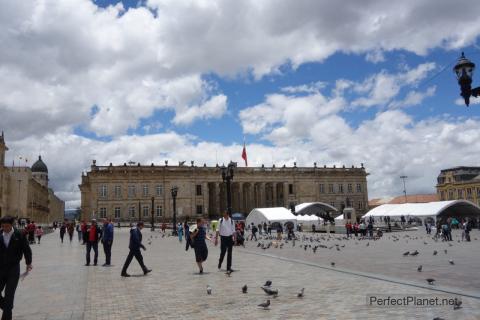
[(39, 166)]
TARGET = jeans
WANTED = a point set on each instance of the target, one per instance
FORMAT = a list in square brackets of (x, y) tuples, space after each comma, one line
[(8, 280), (226, 246), (107, 248), (94, 246), (138, 255)]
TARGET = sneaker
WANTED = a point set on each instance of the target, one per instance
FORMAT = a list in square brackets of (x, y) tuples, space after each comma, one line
[(147, 271), (87, 264), (126, 275), (105, 265)]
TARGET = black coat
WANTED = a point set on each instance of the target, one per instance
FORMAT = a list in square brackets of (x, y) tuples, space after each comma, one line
[(135, 240), (17, 248)]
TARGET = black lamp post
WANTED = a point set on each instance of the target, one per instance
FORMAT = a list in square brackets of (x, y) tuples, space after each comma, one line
[(174, 197), (464, 71), (153, 221), (227, 176)]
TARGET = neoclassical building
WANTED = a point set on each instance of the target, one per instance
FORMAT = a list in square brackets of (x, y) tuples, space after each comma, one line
[(128, 192), (24, 191), (459, 183)]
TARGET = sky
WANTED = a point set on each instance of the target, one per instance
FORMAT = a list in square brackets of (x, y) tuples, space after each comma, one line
[(336, 83)]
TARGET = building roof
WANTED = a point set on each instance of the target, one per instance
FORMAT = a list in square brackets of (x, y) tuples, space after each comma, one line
[(415, 198), (39, 166), (430, 209)]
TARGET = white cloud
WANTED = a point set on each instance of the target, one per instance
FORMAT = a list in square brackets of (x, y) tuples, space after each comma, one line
[(375, 56)]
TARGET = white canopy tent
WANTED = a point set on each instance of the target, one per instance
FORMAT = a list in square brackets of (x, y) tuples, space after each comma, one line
[(315, 208), (430, 209), (309, 220), (280, 215)]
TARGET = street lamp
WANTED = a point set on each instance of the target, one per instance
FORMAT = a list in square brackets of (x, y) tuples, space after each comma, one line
[(464, 71), (227, 176), (174, 197), (404, 187)]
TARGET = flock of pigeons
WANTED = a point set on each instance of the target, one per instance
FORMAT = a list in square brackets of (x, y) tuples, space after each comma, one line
[(269, 291)]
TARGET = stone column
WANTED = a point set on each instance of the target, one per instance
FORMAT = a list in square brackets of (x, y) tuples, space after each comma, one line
[(286, 195), (240, 197), (274, 194), (206, 204), (262, 194), (218, 199)]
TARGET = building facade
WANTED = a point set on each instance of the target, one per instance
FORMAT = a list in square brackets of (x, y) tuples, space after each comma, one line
[(459, 183), (24, 191), (128, 193)]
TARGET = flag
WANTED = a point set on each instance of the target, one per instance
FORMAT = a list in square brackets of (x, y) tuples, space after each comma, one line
[(244, 154)]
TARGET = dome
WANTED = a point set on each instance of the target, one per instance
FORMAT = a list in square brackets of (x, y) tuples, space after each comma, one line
[(39, 166)]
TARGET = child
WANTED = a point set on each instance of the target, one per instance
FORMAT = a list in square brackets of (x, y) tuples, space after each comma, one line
[(39, 233)]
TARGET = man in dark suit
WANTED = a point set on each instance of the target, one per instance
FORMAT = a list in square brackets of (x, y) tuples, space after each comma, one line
[(134, 246), (13, 245)]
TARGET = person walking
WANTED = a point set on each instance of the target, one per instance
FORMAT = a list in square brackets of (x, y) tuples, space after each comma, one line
[(107, 241), (134, 246), (226, 230), (13, 246), (79, 232), (84, 232), (198, 237), (94, 234), (254, 232), (180, 232), (63, 229), (70, 230), (186, 227), (39, 233)]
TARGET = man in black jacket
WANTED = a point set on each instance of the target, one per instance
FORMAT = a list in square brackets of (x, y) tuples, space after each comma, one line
[(13, 245), (134, 246)]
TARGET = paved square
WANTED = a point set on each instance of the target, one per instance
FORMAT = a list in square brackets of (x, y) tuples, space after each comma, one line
[(61, 287)]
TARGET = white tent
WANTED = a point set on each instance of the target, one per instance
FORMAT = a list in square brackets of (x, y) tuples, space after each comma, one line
[(429, 209), (309, 220), (315, 208), (280, 214)]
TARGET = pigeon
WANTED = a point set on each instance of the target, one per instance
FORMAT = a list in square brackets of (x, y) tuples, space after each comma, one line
[(368, 243), (332, 264), (435, 252), (268, 283), (430, 281), (209, 289), (265, 305), (438, 318), (457, 304), (406, 253), (445, 251), (244, 289), (419, 269), (270, 292), (415, 253), (300, 293), (451, 262)]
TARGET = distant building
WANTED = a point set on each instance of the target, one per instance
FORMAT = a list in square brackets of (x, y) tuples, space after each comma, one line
[(411, 198), (24, 191), (459, 183), (127, 192)]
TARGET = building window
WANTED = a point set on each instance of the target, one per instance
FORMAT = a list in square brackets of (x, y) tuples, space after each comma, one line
[(118, 191), (332, 203), (131, 191), (117, 212), (360, 205), (469, 193), (349, 188), (159, 190), (145, 211), (103, 212), (450, 194), (478, 192), (460, 194), (103, 191), (330, 188), (340, 188), (199, 189), (159, 211), (359, 187), (322, 188), (131, 212), (442, 195), (290, 188), (145, 190), (199, 209)]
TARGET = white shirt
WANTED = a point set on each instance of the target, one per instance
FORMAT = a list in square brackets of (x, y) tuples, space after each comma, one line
[(226, 227), (7, 237)]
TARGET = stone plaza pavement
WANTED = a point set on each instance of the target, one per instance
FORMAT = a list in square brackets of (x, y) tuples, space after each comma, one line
[(61, 287)]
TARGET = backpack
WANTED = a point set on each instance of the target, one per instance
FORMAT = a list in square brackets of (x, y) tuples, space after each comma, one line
[(254, 229)]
